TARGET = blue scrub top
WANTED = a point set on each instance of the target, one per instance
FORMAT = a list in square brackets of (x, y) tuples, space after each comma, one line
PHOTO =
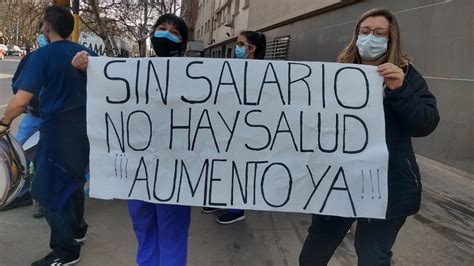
[(33, 106), (49, 74)]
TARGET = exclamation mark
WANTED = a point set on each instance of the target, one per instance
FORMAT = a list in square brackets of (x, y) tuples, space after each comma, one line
[(378, 183), (115, 164), (371, 183)]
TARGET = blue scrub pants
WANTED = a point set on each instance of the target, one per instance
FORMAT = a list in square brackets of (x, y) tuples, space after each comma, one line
[(161, 231), (28, 126)]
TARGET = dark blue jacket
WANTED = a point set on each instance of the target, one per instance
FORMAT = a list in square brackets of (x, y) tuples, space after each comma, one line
[(410, 111)]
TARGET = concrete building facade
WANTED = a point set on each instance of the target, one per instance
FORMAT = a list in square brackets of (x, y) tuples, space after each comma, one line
[(218, 24), (437, 34)]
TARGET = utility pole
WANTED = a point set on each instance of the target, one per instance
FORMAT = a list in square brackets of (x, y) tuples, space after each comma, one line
[(17, 30), (75, 13), (64, 3), (144, 30)]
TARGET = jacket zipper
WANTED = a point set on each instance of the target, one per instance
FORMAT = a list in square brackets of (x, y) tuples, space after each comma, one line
[(413, 174)]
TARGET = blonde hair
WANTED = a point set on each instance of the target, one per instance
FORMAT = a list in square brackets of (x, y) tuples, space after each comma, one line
[(394, 54)]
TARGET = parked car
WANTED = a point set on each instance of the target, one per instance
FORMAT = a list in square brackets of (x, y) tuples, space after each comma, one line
[(14, 50), (4, 48), (23, 51)]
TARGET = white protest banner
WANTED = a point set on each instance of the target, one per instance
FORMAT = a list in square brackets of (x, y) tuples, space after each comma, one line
[(248, 134)]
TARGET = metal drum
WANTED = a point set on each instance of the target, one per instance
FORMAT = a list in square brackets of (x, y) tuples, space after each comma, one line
[(13, 169)]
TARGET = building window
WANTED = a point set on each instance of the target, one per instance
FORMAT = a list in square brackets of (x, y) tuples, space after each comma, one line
[(277, 49), (229, 52), (236, 6), (246, 4), (218, 19)]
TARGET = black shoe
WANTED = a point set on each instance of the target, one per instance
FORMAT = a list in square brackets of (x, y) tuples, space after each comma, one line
[(80, 238), (230, 217), (54, 259), (209, 210)]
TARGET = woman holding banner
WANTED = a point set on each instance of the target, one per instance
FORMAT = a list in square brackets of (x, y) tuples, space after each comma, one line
[(161, 230), (250, 45), (410, 111)]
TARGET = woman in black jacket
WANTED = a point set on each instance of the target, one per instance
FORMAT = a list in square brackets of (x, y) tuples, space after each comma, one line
[(410, 111)]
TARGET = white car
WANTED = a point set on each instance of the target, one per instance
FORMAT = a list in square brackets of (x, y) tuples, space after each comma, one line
[(14, 50), (3, 51)]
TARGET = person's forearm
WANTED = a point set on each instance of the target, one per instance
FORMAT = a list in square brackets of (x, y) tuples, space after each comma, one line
[(15, 108)]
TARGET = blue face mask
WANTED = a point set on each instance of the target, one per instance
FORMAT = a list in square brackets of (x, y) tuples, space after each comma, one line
[(240, 52), (42, 40), (167, 35), (371, 47)]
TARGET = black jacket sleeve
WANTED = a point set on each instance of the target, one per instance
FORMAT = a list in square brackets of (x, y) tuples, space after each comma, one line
[(413, 105)]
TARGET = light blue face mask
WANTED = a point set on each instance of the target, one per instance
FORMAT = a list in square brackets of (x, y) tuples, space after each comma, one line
[(42, 40), (167, 35), (371, 47), (240, 52)]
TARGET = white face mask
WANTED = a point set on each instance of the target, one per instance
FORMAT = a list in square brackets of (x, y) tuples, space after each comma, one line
[(371, 47)]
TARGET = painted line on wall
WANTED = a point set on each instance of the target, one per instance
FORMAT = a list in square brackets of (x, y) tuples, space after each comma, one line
[(454, 79), (425, 6), (395, 12)]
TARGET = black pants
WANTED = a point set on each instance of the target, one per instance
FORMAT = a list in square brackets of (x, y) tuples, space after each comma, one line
[(67, 225), (374, 239)]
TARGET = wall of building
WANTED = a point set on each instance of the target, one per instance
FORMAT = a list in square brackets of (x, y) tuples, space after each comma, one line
[(265, 13), (219, 39), (438, 34)]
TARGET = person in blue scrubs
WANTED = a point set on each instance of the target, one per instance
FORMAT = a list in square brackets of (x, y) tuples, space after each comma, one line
[(161, 230), (31, 121), (250, 45), (29, 125), (63, 149)]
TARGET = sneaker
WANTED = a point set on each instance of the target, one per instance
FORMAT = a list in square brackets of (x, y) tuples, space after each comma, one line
[(54, 259), (230, 218), (81, 240), (38, 210), (209, 210)]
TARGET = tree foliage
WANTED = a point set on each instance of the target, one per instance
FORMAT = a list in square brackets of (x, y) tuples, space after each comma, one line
[(20, 23), (130, 20)]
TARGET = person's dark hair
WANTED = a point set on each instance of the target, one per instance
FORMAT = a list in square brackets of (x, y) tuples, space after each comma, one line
[(60, 19), (40, 25), (178, 23), (259, 40)]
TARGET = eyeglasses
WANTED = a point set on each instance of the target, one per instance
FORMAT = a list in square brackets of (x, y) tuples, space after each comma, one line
[(240, 44), (379, 32)]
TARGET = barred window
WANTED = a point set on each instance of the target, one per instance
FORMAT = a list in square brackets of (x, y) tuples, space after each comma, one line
[(277, 49)]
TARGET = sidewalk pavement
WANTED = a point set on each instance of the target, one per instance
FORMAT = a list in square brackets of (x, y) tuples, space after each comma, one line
[(441, 234)]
